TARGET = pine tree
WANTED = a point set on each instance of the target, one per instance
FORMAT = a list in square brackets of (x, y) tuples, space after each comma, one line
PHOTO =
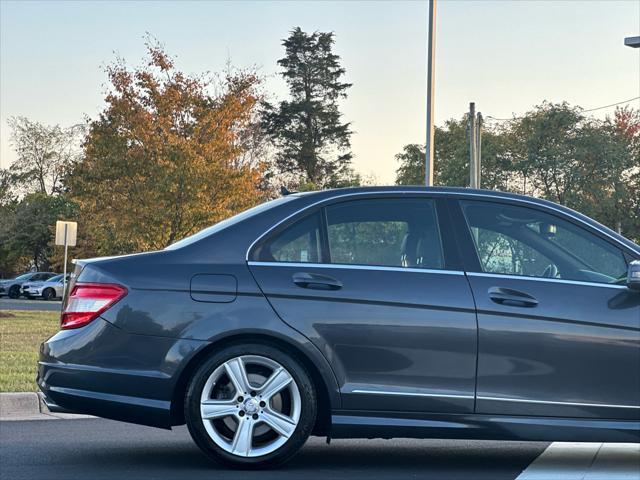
[(311, 140)]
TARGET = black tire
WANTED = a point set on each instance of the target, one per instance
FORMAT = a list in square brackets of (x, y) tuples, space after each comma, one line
[(288, 449), (14, 291), (48, 294)]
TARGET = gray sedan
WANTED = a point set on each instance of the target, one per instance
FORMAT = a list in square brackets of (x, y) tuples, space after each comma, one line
[(48, 290), (13, 286), (366, 312)]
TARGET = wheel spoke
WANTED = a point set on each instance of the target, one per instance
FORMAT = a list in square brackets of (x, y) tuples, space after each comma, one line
[(210, 409), (238, 375), (280, 423), (278, 380), (243, 438)]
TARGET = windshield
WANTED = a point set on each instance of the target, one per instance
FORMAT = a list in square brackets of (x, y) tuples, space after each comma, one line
[(227, 223), (57, 278), (24, 276)]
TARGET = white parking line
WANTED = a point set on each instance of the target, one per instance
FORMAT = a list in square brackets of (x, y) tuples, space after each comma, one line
[(586, 461)]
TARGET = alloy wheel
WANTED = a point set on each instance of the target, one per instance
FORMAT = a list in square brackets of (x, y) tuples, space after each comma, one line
[(250, 405)]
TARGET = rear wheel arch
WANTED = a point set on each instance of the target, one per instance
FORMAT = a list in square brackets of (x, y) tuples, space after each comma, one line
[(323, 418)]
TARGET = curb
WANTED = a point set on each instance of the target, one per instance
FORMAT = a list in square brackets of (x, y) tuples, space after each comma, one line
[(29, 406)]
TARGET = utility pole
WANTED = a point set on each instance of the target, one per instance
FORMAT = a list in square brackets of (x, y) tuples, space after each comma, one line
[(479, 124), (473, 144), (431, 60)]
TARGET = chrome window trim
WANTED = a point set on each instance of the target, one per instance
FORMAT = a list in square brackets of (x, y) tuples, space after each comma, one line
[(551, 402), (435, 193), (411, 394), (345, 266), (544, 279)]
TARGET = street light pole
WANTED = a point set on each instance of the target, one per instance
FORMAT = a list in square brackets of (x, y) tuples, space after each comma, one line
[(633, 42), (431, 58)]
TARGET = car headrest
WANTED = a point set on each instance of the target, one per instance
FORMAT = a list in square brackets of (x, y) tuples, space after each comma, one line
[(429, 252)]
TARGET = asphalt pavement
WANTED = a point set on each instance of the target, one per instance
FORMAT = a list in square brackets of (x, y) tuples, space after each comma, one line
[(105, 449), (25, 304)]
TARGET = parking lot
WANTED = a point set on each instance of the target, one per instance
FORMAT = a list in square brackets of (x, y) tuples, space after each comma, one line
[(25, 304), (96, 448)]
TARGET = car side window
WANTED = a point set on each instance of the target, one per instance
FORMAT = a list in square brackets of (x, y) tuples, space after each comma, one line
[(299, 242), (387, 232), (523, 241)]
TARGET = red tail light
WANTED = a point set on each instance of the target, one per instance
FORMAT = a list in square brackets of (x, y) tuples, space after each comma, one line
[(87, 301)]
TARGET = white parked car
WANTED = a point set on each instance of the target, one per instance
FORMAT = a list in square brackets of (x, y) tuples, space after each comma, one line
[(48, 290)]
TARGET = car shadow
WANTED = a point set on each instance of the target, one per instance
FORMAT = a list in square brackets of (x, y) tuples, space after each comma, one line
[(342, 459)]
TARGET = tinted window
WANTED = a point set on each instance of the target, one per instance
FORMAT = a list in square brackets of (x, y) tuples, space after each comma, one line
[(387, 232), (298, 243), (523, 241), (229, 222)]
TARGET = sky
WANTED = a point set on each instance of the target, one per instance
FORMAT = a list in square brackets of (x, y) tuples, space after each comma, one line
[(506, 56)]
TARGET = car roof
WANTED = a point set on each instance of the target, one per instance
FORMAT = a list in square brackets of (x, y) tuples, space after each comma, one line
[(453, 191)]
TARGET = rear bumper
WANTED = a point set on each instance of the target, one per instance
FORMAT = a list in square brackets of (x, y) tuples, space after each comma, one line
[(85, 371), (144, 411), (52, 406)]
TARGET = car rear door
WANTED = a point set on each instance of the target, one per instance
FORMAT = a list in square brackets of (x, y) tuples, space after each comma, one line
[(558, 335), (375, 284)]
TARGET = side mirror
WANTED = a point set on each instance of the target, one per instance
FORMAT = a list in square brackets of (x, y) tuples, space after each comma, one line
[(633, 275)]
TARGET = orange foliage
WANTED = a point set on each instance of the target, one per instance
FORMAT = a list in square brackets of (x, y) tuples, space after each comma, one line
[(166, 157)]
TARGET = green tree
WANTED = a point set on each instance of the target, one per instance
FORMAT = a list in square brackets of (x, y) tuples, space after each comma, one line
[(26, 233), (587, 164), (7, 194), (308, 132), (554, 152), (8, 257), (610, 158), (546, 141), (452, 158)]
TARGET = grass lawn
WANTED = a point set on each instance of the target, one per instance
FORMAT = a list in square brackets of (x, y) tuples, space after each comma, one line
[(21, 333)]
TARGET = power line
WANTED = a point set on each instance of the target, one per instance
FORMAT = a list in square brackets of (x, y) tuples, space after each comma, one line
[(612, 105), (583, 111)]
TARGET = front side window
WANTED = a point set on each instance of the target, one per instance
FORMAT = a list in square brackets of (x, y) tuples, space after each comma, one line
[(523, 241), (299, 242), (385, 232)]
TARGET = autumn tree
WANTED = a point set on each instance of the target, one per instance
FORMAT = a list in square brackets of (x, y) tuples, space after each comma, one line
[(167, 156), (611, 164), (311, 139), (44, 154)]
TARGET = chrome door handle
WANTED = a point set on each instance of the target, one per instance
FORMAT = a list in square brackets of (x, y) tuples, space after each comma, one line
[(513, 298), (315, 281)]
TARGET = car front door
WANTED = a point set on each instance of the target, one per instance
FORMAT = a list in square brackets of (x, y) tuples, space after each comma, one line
[(559, 332), (372, 284)]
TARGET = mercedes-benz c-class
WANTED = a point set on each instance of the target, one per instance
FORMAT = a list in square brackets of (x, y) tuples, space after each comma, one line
[(368, 312)]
